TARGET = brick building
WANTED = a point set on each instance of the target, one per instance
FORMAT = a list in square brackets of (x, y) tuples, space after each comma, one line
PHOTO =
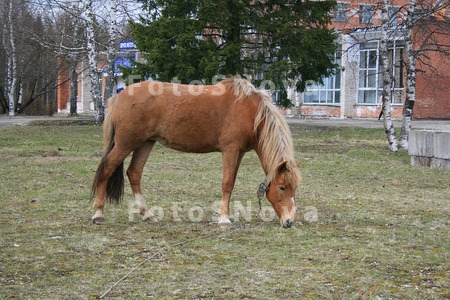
[(354, 92)]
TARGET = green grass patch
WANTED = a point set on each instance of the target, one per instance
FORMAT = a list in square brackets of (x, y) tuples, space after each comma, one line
[(372, 226)]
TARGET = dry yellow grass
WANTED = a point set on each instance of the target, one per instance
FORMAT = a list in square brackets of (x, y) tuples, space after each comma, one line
[(378, 227)]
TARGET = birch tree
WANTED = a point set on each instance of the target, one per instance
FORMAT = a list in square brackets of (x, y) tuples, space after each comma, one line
[(410, 60), (92, 60), (11, 58), (93, 51), (387, 78), (111, 49)]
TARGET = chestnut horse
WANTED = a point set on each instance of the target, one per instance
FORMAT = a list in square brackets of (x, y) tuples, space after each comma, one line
[(232, 117)]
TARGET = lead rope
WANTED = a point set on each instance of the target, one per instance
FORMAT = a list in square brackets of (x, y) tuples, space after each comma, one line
[(262, 189)]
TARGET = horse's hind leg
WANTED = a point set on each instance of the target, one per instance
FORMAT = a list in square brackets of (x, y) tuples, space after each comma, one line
[(134, 172), (113, 161)]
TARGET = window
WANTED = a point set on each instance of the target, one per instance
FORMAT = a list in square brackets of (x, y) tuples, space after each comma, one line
[(368, 74), (327, 93), (340, 12), (366, 14), (370, 77)]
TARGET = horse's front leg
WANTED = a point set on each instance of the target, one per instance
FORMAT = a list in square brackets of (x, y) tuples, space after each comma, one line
[(139, 206), (230, 161), (224, 211)]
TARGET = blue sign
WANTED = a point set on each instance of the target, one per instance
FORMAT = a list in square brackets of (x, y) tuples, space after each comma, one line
[(124, 62), (127, 45)]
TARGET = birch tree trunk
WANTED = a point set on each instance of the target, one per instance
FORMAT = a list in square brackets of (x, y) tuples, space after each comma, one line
[(387, 79), (411, 59), (19, 94), (10, 47), (92, 61), (111, 50)]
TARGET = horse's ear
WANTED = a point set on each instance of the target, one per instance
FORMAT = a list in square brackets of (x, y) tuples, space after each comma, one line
[(282, 167), (299, 163)]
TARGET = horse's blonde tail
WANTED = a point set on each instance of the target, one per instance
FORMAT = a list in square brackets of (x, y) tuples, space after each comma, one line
[(115, 185), (108, 130)]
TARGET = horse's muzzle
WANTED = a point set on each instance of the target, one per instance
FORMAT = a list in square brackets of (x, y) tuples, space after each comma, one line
[(288, 223)]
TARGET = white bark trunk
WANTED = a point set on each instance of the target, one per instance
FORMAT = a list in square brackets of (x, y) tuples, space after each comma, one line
[(111, 51), (387, 80), (11, 71), (20, 95), (411, 59), (92, 61)]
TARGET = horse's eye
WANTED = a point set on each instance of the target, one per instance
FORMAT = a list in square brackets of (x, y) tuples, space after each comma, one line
[(282, 188)]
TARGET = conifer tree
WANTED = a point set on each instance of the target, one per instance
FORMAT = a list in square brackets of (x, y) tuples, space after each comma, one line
[(277, 41)]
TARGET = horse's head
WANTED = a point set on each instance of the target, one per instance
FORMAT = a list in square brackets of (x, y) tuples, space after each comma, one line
[(281, 192)]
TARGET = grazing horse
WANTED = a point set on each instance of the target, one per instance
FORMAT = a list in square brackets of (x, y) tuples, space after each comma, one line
[(232, 117)]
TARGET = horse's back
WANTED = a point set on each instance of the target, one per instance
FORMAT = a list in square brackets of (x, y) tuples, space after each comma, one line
[(185, 118)]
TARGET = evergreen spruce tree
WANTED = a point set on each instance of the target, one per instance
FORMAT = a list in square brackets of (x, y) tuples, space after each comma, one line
[(277, 41)]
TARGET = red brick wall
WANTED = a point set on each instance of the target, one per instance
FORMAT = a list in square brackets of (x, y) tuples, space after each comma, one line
[(373, 111), (433, 78), (432, 96), (63, 93), (320, 111)]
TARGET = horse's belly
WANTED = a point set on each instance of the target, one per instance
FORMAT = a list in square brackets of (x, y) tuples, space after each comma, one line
[(188, 145), (188, 139)]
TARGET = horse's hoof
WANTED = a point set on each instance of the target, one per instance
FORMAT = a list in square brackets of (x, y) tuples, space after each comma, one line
[(225, 224), (99, 220), (150, 219)]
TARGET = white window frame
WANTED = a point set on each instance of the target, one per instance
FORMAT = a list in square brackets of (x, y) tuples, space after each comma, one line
[(370, 78), (368, 74), (328, 93)]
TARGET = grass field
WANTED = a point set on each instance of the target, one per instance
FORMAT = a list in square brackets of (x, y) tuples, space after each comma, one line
[(373, 227)]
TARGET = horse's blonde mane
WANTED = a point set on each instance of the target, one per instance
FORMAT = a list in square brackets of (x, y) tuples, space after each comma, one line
[(275, 140), (241, 87)]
